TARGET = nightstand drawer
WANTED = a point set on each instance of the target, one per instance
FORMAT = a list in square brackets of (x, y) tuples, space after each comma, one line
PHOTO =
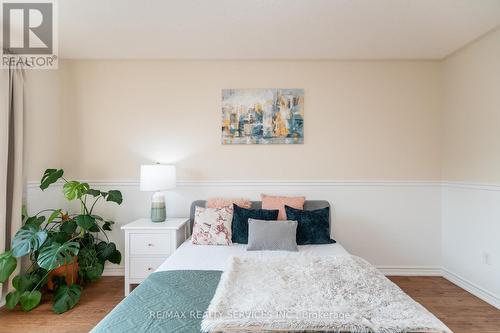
[(140, 268), (150, 244)]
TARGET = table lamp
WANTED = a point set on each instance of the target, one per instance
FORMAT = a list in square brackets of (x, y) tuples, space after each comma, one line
[(158, 177)]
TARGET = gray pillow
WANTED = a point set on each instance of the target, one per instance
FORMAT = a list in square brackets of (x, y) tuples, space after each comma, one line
[(272, 235)]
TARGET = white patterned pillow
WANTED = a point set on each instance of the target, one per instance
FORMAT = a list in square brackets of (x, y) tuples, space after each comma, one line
[(212, 226)]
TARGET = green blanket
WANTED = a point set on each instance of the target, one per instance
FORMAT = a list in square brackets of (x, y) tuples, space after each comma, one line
[(171, 301)]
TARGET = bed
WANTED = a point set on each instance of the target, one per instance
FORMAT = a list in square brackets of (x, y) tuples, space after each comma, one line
[(176, 297)]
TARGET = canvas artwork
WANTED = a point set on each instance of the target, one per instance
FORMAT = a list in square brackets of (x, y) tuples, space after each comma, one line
[(262, 116)]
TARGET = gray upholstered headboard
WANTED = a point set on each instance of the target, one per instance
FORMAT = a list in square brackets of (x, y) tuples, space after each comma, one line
[(308, 205)]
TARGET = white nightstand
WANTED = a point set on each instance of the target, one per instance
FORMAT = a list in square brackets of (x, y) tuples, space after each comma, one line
[(148, 244)]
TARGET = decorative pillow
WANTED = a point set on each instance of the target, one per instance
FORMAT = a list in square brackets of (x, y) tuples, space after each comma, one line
[(223, 202), (313, 225), (277, 202), (272, 235), (240, 221), (212, 226)]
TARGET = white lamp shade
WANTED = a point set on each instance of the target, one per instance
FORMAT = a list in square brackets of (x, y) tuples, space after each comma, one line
[(157, 177)]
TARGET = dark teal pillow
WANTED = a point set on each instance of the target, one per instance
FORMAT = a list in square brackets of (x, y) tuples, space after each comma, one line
[(239, 226), (313, 225)]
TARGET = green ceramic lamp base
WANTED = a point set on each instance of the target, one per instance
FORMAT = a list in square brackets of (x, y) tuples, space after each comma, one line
[(158, 210)]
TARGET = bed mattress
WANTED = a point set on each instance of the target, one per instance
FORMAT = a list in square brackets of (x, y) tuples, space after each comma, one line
[(175, 297), (213, 258)]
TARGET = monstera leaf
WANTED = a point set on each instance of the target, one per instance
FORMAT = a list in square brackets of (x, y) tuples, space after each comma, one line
[(50, 176), (115, 257), (68, 227), (115, 196), (107, 225), (108, 251), (28, 280), (75, 190), (94, 193), (94, 272), (11, 299), (86, 222), (105, 250), (24, 282), (30, 299), (65, 298), (56, 255), (7, 265), (27, 240), (58, 237), (34, 221), (90, 265)]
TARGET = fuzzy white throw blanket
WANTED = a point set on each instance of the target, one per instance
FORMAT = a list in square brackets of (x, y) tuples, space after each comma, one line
[(306, 293)]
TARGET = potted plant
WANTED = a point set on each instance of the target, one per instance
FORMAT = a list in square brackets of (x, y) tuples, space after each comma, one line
[(59, 246)]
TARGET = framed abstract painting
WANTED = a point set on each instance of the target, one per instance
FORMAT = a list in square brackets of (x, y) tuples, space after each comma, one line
[(262, 116)]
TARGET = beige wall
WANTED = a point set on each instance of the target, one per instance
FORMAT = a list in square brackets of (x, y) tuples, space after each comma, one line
[(471, 153), (363, 120), (471, 115), (42, 122)]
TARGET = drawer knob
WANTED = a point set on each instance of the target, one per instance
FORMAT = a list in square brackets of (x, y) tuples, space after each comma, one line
[(150, 244), (150, 269)]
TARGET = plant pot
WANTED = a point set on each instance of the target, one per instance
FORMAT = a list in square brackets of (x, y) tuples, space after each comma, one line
[(69, 271)]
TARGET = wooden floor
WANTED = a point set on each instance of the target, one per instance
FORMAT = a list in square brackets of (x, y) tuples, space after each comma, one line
[(458, 309)]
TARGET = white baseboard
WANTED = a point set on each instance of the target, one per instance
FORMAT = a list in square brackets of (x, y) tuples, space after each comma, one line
[(472, 288), (114, 271), (410, 270)]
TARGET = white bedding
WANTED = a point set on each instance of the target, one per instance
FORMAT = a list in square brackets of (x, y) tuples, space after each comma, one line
[(213, 257), (314, 294)]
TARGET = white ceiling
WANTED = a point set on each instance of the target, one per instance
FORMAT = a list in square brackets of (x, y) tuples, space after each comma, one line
[(271, 29)]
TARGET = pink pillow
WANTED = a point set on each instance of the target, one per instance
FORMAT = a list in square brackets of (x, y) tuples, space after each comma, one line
[(223, 202), (277, 202)]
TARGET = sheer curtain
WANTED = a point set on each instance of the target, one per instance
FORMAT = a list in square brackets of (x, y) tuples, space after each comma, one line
[(11, 157)]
